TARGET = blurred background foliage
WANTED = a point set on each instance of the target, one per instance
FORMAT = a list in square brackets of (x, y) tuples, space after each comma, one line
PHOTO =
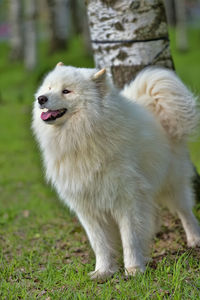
[(35, 35)]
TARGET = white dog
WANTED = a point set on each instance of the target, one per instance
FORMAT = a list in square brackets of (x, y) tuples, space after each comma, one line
[(114, 158)]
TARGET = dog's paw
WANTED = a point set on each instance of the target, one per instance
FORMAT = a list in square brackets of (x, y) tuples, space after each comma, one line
[(194, 241), (102, 275), (132, 271)]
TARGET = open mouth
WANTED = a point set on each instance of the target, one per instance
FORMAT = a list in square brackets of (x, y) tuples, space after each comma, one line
[(52, 115)]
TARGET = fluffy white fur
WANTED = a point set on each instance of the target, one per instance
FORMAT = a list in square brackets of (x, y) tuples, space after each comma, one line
[(114, 158)]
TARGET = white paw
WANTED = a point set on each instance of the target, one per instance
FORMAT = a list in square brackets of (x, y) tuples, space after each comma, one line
[(194, 241), (102, 274), (132, 271)]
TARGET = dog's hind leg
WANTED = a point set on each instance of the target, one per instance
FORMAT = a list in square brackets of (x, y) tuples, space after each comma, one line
[(190, 226), (190, 223), (183, 200), (103, 236)]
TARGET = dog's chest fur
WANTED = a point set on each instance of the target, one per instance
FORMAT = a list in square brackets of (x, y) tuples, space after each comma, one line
[(83, 175)]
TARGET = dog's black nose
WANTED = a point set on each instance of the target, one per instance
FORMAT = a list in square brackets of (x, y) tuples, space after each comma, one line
[(42, 99)]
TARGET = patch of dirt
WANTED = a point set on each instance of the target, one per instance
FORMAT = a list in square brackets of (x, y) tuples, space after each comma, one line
[(170, 240)]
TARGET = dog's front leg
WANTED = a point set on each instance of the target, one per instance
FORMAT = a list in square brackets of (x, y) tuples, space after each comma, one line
[(136, 233), (101, 240)]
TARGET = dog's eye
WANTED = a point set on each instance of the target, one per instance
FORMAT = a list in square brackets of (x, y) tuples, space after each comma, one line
[(65, 91)]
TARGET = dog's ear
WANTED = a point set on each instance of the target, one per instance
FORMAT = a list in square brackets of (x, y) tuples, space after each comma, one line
[(100, 75), (100, 80), (59, 64)]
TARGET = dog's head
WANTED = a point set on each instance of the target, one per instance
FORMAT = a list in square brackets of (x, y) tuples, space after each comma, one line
[(67, 90)]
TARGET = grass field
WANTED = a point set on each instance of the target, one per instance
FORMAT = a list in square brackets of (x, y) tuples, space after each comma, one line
[(44, 252)]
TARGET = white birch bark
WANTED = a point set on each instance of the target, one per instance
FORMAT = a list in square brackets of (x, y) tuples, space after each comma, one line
[(16, 29), (30, 34), (181, 31), (126, 20)]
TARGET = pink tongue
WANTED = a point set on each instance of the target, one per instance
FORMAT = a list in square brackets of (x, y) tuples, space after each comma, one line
[(48, 114)]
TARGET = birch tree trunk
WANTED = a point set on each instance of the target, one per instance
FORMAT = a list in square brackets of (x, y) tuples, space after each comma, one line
[(181, 31), (60, 23), (16, 29), (30, 34), (128, 35)]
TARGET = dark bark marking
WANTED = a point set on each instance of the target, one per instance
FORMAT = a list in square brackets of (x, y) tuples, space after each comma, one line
[(134, 5), (122, 55), (151, 30), (104, 19), (119, 26), (124, 74), (109, 2), (111, 47)]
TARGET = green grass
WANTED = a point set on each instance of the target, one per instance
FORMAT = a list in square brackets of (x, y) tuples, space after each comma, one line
[(187, 66), (187, 63), (44, 252)]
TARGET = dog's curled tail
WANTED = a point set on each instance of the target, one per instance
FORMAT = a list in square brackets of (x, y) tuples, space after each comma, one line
[(163, 93)]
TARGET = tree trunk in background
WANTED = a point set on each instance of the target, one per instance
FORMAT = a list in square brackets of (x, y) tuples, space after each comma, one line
[(77, 24), (30, 34), (128, 35), (59, 12), (181, 31), (170, 11), (16, 29), (85, 28), (80, 23)]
